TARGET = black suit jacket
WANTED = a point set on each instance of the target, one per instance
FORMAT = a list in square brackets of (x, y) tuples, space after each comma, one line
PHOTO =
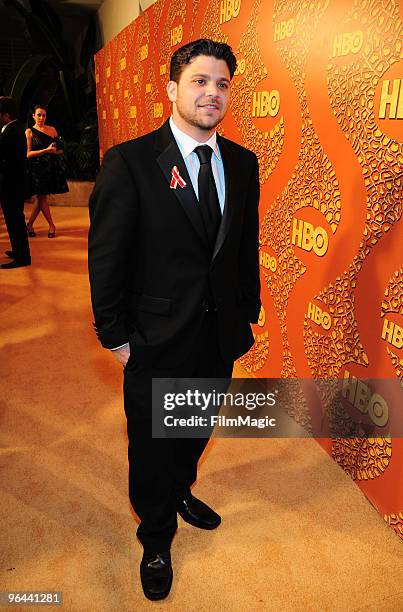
[(151, 268), (13, 160)]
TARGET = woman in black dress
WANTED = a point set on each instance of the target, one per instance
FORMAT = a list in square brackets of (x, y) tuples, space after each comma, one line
[(45, 172)]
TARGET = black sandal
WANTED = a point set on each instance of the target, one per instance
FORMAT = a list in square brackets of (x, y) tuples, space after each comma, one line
[(31, 232)]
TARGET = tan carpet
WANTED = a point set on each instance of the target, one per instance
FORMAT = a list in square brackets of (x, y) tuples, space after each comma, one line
[(297, 534)]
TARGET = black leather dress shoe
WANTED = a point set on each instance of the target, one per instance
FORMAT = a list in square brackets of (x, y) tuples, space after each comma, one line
[(10, 254), (197, 513), (156, 574), (15, 264)]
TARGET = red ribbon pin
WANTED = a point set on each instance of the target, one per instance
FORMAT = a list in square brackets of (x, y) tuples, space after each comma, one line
[(176, 179)]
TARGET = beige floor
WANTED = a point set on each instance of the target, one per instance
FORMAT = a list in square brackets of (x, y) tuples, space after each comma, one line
[(297, 534)]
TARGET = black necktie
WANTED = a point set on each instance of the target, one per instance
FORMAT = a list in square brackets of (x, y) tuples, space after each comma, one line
[(208, 197)]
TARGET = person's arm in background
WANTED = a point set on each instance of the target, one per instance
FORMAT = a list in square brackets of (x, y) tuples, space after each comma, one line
[(112, 209)]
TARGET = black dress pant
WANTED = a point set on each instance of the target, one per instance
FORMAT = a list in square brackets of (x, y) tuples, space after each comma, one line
[(13, 211), (161, 470)]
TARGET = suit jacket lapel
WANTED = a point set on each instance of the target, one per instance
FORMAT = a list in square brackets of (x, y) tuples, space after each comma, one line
[(169, 156), (230, 194)]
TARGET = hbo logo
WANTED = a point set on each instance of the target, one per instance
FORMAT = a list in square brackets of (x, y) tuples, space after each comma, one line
[(392, 333), (349, 42), (158, 109), (362, 398), (308, 237), (240, 69), (319, 316), (229, 9), (284, 29), (265, 103), (143, 52), (268, 262), (176, 35)]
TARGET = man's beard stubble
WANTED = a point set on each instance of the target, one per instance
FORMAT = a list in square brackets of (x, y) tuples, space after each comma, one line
[(192, 119)]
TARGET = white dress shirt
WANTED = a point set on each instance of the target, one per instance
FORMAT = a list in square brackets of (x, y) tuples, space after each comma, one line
[(186, 145)]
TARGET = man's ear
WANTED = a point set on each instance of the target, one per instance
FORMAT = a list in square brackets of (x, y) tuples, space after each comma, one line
[(172, 89)]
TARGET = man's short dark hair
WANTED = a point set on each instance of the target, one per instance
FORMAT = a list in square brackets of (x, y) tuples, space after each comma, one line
[(9, 106), (203, 46)]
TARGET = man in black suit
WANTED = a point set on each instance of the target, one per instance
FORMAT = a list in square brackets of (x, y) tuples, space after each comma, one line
[(173, 261), (13, 157)]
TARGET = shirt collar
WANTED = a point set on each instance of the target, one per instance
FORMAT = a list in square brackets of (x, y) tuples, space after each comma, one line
[(187, 144), (9, 123)]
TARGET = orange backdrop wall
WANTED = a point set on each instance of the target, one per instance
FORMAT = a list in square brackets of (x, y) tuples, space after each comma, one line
[(318, 96)]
